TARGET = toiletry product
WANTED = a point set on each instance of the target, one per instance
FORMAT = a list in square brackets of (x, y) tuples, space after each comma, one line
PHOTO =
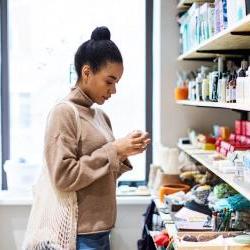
[(223, 14), (215, 78), (231, 7), (193, 90), (205, 89), (232, 89), (210, 88), (217, 10), (247, 87), (199, 87), (240, 82), (222, 95), (181, 93), (240, 9), (238, 127), (210, 21), (227, 90)]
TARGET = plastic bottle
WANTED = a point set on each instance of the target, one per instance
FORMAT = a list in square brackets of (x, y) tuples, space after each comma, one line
[(199, 87), (205, 89), (228, 96), (222, 92), (247, 87), (215, 78), (232, 88), (240, 82)]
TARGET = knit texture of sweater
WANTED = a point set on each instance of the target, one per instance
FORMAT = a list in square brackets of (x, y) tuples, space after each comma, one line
[(89, 166)]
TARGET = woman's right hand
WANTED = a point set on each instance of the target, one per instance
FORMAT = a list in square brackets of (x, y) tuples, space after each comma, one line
[(132, 144)]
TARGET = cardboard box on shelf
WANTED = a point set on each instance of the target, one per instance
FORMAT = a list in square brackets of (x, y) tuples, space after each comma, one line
[(218, 241)]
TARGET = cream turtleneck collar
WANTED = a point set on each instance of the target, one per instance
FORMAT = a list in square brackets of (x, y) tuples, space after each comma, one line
[(78, 97)]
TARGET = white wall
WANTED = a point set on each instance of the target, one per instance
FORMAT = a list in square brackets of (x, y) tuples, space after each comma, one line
[(13, 223), (128, 227), (170, 120)]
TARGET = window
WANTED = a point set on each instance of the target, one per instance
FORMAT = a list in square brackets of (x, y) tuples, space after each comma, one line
[(4, 97), (1, 80), (44, 35)]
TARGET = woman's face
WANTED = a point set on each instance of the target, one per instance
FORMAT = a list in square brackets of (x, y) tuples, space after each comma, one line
[(101, 85)]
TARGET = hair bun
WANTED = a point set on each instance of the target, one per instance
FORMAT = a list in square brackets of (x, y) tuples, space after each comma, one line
[(100, 33)]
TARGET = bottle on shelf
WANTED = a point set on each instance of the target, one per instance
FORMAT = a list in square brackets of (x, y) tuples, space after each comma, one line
[(229, 85), (247, 87), (192, 90), (228, 88), (222, 88), (198, 87), (210, 88), (232, 89), (214, 84), (221, 61), (205, 89), (240, 82)]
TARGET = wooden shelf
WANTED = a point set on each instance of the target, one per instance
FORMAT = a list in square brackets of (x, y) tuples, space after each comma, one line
[(223, 43), (184, 5), (234, 106), (241, 186)]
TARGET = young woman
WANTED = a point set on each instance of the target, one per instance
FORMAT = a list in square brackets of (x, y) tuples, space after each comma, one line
[(92, 165)]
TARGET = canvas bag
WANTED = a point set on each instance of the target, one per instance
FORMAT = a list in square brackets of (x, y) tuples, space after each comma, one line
[(53, 218)]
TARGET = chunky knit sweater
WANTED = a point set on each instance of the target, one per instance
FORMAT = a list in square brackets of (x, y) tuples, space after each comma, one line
[(89, 166)]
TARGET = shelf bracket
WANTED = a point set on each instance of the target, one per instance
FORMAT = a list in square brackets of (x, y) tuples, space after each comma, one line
[(225, 52), (240, 33), (243, 114), (207, 59)]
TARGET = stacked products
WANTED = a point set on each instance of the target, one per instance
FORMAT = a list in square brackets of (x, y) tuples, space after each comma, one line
[(239, 140), (227, 84), (202, 21)]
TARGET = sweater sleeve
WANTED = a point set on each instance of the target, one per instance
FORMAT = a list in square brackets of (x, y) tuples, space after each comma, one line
[(67, 170), (125, 165)]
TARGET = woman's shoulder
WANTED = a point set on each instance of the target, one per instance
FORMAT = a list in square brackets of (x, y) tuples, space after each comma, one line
[(62, 109)]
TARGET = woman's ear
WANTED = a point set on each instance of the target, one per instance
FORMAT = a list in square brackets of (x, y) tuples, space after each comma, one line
[(85, 72)]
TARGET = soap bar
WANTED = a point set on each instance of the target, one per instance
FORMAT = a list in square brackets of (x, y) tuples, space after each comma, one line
[(208, 146), (242, 239)]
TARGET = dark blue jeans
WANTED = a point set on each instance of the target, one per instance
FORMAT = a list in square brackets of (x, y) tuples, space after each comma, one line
[(98, 241)]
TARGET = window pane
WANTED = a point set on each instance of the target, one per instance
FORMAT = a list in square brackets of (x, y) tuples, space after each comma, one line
[(44, 36), (1, 65)]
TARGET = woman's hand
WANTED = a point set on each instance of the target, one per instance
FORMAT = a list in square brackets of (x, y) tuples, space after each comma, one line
[(132, 144)]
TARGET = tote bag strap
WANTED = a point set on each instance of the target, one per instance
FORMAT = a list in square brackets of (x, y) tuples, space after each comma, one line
[(77, 116)]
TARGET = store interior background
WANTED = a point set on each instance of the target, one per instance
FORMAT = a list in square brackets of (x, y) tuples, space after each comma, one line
[(170, 121)]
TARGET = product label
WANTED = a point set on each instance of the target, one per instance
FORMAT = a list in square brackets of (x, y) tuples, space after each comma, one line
[(233, 93)]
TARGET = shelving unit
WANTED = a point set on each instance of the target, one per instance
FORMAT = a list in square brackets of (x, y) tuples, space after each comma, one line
[(184, 5), (233, 41), (175, 234), (232, 106), (202, 157)]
